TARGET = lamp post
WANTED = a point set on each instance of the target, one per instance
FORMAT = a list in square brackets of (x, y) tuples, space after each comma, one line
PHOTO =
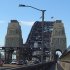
[(43, 11)]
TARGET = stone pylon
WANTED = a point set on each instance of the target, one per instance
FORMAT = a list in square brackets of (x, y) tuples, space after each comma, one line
[(13, 40), (58, 37)]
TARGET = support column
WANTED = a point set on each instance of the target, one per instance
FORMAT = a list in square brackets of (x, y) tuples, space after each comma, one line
[(8, 56)]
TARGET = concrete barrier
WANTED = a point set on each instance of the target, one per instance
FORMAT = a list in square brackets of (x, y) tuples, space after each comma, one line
[(65, 65)]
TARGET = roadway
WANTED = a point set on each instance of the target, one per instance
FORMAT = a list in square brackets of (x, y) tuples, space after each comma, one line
[(52, 66), (10, 66)]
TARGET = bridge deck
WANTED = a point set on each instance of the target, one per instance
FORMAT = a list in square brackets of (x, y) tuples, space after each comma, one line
[(40, 66)]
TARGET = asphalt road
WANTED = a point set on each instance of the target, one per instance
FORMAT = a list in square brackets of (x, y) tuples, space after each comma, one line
[(53, 66), (9, 66)]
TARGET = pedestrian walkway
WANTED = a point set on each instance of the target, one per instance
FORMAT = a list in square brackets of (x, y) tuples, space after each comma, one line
[(56, 66)]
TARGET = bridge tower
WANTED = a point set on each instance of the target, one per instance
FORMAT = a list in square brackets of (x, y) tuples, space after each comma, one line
[(13, 41), (58, 37)]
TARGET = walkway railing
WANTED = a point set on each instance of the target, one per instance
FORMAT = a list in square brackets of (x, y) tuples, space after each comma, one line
[(65, 65)]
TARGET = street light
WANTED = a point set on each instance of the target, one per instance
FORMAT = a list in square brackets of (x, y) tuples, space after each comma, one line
[(43, 11), (21, 5)]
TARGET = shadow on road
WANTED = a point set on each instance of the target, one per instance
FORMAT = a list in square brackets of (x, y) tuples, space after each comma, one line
[(56, 66), (52, 67)]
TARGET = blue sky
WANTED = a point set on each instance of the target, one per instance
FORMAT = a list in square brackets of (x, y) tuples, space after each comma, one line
[(9, 9)]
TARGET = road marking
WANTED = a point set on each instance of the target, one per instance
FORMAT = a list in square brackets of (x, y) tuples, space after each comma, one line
[(56, 67)]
